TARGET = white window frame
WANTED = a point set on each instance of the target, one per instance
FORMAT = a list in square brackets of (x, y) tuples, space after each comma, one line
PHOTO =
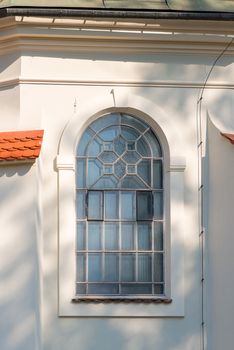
[(174, 214)]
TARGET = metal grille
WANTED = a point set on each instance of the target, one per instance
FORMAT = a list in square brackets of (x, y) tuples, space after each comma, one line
[(119, 203)]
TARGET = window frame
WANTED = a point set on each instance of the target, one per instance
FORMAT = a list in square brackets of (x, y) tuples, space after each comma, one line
[(174, 197), (154, 288)]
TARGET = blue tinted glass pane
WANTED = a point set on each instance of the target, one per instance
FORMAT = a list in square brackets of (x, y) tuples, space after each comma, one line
[(158, 267), (83, 143), (81, 204), (103, 289), (128, 267), (157, 177), (120, 169), (158, 235), (119, 145), (128, 205), (144, 206), (108, 157), (144, 268), (134, 122), (154, 144), (131, 157), (136, 289), (80, 267), (111, 236), (111, 205), (106, 182), (158, 205), (133, 182), (81, 173), (94, 267), (95, 205), (158, 289), (129, 133), (94, 147), (144, 233), (81, 233), (103, 122), (95, 235), (143, 148), (144, 171), (81, 289), (110, 133), (94, 171), (111, 268), (127, 236)]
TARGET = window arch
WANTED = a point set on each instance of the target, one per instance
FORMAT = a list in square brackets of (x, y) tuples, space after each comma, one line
[(119, 206)]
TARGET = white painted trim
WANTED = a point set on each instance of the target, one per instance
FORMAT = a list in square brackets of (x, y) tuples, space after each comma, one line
[(112, 83), (174, 199)]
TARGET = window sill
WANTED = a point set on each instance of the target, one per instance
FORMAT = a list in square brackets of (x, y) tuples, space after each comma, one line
[(97, 300)]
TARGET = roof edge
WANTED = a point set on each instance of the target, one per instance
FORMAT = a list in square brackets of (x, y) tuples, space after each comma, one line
[(116, 13)]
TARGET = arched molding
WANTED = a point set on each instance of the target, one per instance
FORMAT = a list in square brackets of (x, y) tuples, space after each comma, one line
[(158, 120)]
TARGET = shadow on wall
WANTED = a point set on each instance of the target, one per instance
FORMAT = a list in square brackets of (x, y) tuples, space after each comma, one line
[(19, 300)]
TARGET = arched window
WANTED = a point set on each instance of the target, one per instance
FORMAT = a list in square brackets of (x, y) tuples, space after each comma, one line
[(119, 210)]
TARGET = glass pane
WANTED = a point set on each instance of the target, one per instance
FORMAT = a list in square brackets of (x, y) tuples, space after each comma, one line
[(95, 267), (83, 143), (144, 236), (103, 122), (108, 157), (119, 145), (120, 169), (95, 235), (94, 171), (153, 143), (81, 241), (143, 147), (111, 236), (144, 267), (111, 267), (128, 206), (95, 205), (81, 289), (133, 182), (94, 147), (158, 205), (144, 171), (127, 236), (144, 206), (111, 205), (129, 133), (81, 173), (80, 267), (134, 122), (136, 289), (158, 235), (131, 157), (103, 289), (107, 181), (158, 289), (80, 204), (158, 267), (128, 267), (157, 177), (110, 133)]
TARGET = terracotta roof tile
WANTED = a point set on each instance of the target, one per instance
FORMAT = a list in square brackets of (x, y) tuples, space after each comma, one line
[(20, 145), (230, 137)]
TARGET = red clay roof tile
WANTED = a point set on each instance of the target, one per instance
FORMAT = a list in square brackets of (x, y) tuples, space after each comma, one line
[(230, 137), (20, 145)]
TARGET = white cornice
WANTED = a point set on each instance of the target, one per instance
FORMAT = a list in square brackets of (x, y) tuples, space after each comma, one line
[(111, 83), (71, 35)]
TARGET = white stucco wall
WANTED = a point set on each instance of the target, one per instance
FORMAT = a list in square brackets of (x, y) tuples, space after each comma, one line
[(44, 97)]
